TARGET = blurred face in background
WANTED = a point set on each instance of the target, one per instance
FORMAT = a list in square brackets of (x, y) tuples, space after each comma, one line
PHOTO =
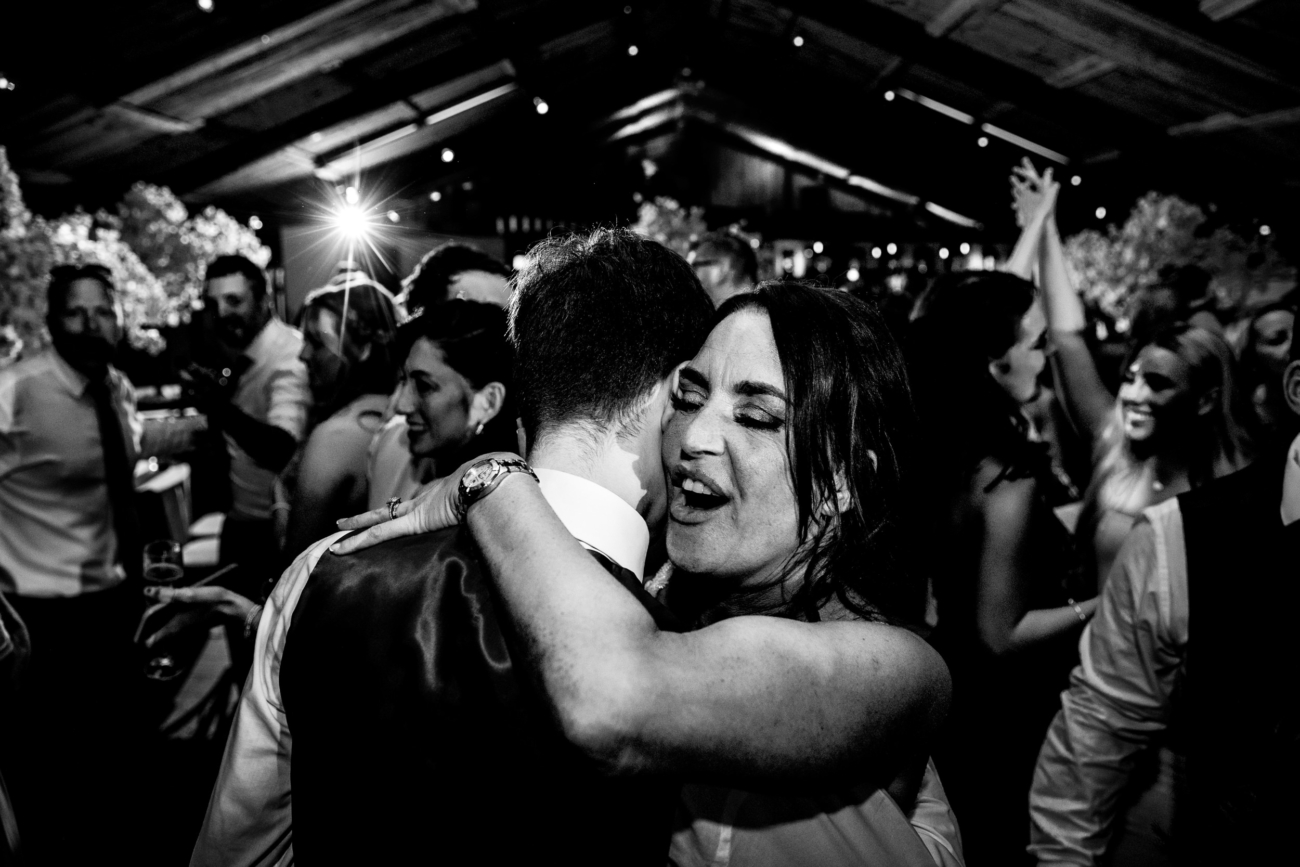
[(322, 352), (87, 330), (1270, 337), (1155, 399), (236, 312), (1017, 371), (442, 408)]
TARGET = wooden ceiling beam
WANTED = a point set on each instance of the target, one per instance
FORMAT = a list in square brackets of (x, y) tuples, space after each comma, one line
[(957, 13), (1219, 10)]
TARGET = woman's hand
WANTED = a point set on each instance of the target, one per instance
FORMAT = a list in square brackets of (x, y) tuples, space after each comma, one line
[(1033, 195), (433, 508), (197, 607)]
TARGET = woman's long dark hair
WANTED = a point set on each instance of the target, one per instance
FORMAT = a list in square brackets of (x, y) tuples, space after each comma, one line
[(960, 324), (849, 400)]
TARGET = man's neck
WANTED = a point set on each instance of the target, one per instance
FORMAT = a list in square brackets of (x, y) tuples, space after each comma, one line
[(606, 460)]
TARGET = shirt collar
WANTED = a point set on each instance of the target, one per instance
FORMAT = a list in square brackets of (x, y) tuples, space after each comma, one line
[(74, 380), (598, 518), (264, 341), (1291, 484)]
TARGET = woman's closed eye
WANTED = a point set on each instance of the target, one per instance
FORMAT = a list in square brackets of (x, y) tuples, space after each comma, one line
[(686, 400), (758, 419)]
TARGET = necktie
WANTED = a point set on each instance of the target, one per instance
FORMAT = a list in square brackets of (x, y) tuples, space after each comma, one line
[(119, 475)]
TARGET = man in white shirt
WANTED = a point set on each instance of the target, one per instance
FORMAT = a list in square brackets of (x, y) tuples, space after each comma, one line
[(255, 390), (1223, 701)]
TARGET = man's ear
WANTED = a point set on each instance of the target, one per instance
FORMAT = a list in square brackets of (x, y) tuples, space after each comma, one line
[(1291, 386)]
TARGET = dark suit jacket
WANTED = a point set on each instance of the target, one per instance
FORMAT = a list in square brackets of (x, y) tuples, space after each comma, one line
[(418, 739)]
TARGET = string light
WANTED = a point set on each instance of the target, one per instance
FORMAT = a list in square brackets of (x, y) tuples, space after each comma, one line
[(1101, 213), (206, 5), (853, 275), (891, 248), (818, 247), (798, 42), (352, 222), (982, 141), (943, 252), (632, 51), (876, 252), (1266, 230), (394, 217), (255, 222), (964, 248), (435, 196), (1075, 181), (5, 83), (351, 195), (540, 105), (448, 155), (889, 96)]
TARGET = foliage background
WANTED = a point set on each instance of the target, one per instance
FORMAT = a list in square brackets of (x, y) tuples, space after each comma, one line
[(154, 247)]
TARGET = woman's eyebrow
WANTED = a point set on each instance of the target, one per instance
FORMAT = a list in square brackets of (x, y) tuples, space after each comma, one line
[(694, 377), (748, 388)]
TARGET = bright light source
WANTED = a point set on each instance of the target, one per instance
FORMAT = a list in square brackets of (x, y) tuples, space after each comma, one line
[(891, 248), (754, 243), (889, 96), (818, 247), (519, 262), (853, 275), (542, 107), (798, 42), (255, 222), (943, 252), (435, 196), (394, 217), (1075, 181), (1265, 230), (965, 248), (990, 264), (809, 252), (876, 252), (982, 141), (351, 195), (205, 5), (1101, 213), (5, 83), (632, 51), (352, 222), (448, 155)]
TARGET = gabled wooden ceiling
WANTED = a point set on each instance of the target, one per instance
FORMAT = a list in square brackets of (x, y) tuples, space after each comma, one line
[(259, 105)]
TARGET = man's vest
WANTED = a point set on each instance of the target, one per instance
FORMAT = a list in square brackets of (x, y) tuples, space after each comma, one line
[(1236, 711), (418, 739)]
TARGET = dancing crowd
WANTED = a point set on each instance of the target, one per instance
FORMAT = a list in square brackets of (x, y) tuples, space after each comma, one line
[(629, 558)]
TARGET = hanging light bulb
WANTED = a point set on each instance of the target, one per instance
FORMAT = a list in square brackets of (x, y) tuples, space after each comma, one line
[(206, 5), (351, 195), (943, 252), (448, 155), (435, 196), (798, 42), (965, 248), (255, 222), (632, 51)]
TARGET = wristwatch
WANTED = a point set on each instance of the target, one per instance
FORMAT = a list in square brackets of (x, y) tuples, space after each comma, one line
[(482, 478)]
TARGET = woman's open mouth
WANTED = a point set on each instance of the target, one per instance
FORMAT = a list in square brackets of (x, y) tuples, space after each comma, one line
[(694, 496)]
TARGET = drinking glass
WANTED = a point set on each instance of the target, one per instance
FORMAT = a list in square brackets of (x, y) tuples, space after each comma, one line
[(163, 567)]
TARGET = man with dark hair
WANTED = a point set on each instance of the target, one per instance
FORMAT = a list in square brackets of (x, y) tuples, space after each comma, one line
[(407, 709), (253, 387), (69, 543), (1222, 699), (725, 264), (455, 270)]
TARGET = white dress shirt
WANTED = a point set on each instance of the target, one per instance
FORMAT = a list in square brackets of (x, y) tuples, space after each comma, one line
[(1131, 659), (249, 822)]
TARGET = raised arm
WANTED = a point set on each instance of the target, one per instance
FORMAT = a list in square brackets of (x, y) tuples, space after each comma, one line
[(1005, 623), (1081, 386)]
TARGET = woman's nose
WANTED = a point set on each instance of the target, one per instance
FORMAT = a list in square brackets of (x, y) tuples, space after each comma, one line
[(702, 434), (405, 403)]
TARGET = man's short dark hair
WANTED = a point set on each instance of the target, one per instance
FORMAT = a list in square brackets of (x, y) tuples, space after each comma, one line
[(63, 276), (228, 266), (597, 321), (428, 282), (736, 251)]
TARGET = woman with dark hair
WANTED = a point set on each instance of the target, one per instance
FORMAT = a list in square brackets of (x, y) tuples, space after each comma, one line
[(1009, 584), (785, 462), (1267, 345), (349, 329)]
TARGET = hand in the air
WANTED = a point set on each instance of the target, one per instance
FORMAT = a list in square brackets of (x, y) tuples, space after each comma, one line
[(1033, 195), (433, 508)]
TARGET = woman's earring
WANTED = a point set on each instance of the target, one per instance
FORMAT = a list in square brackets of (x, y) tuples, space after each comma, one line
[(479, 430)]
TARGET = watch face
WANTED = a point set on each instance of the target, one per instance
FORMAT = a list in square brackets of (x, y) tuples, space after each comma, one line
[(480, 475)]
